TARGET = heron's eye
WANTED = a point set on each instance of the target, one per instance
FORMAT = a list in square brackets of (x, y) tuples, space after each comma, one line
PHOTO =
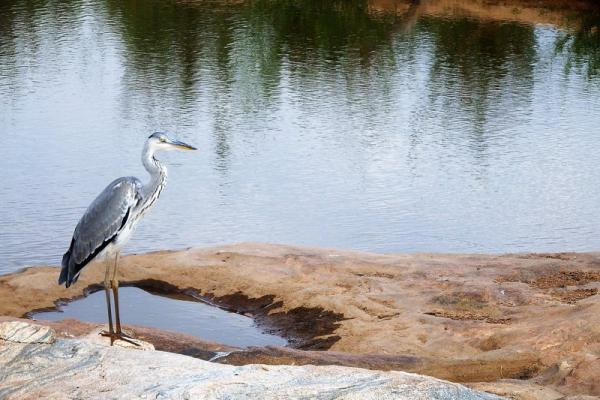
[(163, 139)]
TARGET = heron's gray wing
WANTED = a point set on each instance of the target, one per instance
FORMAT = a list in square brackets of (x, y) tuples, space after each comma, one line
[(99, 225)]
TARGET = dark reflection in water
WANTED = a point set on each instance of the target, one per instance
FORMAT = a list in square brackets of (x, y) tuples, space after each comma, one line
[(144, 309), (386, 126), (477, 69)]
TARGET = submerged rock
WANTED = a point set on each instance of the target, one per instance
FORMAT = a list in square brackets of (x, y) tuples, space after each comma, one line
[(79, 368)]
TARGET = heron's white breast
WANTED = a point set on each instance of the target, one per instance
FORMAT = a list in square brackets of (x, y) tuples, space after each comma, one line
[(123, 236)]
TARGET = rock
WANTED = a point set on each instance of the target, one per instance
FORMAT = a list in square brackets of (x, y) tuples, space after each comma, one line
[(131, 343), (78, 368), (134, 344), (476, 317), (518, 389), (22, 332), (173, 342)]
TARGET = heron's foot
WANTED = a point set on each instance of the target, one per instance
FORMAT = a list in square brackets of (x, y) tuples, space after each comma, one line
[(119, 336), (122, 334)]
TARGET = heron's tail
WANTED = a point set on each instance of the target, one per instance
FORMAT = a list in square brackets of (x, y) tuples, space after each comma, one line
[(64, 272)]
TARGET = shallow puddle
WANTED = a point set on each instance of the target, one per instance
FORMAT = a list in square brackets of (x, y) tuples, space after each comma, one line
[(184, 314)]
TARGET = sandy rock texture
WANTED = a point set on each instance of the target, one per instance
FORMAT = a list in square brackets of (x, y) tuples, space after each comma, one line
[(506, 319), (80, 369)]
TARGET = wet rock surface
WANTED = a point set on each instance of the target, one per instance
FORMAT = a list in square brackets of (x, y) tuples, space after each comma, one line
[(533, 318), (81, 369)]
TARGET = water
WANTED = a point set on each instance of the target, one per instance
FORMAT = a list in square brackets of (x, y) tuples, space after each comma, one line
[(445, 126), (139, 307)]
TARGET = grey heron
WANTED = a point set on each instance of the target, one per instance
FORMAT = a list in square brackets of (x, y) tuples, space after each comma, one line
[(109, 221)]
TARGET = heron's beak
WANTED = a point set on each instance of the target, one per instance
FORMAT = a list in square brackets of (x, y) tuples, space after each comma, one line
[(182, 145)]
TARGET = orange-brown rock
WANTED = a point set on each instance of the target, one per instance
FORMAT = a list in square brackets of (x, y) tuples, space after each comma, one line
[(475, 317)]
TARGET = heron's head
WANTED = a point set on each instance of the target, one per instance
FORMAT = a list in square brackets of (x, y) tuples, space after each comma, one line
[(162, 141)]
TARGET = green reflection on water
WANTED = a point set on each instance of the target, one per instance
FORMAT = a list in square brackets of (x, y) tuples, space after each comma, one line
[(172, 44), (239, 55), (482, 63), (301, 97), (582, 45)]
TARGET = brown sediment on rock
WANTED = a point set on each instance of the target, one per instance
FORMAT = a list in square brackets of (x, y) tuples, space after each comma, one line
[(566, 278), (488, 307), (488, 367), (563, 284), (573, 296), (468, 306), (466, 316), (551, 276), (308, 328)]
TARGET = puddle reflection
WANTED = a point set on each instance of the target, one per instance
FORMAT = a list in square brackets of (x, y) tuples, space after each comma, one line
[(139, 307)]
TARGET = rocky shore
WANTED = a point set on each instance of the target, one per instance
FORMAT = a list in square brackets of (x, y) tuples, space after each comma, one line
[(524, 325), (38, 365)]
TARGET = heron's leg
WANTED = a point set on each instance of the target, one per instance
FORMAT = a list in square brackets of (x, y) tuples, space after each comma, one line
[(107, 285), (115, 287)]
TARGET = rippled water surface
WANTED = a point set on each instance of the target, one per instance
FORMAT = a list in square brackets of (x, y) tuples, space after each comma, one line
[(139, 307), (444, 126)]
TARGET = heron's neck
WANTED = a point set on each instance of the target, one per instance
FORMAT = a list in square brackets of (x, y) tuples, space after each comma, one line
[(157, 171)]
